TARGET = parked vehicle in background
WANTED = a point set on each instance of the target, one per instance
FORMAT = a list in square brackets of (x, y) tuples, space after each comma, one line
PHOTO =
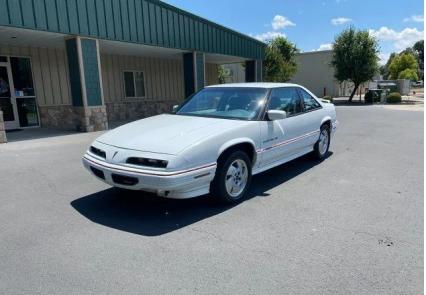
[(417, 84), (215, 141)]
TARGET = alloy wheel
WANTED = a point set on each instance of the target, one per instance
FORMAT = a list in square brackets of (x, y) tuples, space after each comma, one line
[(236, 178)]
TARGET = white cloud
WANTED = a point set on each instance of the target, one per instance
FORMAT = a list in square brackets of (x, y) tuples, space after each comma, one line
[(400, 40), (414, 18), (340, 21), (326, 46), (268, 36), (383, 57), (280, 22)]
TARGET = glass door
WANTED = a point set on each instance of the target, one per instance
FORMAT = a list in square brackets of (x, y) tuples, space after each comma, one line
[(7, 99), (24, 93)]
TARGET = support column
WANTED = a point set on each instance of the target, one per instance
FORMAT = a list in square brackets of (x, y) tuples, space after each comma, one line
[(194, 65), (259, 70), (254, 70), (86, 84), (3, 138)]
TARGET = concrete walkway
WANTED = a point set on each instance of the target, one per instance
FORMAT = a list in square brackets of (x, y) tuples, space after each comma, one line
[(35, 133), (39, 133)]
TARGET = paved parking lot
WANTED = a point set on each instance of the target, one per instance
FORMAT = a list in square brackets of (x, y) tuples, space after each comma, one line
[(352, 224)]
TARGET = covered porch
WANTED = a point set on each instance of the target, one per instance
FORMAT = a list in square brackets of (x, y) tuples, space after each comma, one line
[(84, 84)]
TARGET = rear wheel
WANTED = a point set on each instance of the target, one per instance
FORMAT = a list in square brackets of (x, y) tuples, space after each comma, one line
[(323, 143), (233, 177)]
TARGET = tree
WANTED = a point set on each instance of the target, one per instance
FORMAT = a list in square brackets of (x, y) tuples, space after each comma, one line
[(408, 74), (355, 57), (384, 70), (402, 62), (222, 74), (280, 60), (419, 49)]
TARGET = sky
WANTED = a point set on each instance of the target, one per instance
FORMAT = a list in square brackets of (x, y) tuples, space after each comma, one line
[(313, 25)]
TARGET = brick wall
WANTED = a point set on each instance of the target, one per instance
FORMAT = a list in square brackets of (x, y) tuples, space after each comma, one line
[(134, 110)]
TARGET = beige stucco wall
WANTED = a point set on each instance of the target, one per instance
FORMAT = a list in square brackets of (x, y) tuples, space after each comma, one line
[(50, 73), (314, 71)]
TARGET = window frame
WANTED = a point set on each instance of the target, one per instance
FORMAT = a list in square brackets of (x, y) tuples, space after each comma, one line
[(299, 90), (298, 96), (134, 83)]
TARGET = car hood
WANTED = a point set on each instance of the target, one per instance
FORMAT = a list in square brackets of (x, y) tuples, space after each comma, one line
[(166, 134)]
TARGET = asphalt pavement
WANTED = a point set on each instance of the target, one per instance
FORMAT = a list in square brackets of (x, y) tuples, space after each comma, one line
[(352, 224)]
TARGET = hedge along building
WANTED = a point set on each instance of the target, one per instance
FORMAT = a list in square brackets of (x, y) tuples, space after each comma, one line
[(79, 64)]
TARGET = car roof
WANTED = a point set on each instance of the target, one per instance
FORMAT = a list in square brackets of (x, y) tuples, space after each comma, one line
[(254, 85)]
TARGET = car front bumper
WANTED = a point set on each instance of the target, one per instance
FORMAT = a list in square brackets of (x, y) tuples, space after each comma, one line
[(179, 184)]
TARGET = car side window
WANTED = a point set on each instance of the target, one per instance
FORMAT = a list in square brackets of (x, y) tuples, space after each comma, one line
[(285, 99), (309, 102)]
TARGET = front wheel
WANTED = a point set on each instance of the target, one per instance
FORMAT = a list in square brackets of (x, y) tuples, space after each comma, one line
[(323, 143), (233, 177)]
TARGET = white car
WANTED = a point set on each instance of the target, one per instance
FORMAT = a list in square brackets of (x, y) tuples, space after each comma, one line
[(215, 141)]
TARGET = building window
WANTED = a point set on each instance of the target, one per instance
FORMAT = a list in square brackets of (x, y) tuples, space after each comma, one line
[(134, 84)]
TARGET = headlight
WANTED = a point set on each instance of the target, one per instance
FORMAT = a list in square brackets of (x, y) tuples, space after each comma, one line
[(97, 152), (147, 162)]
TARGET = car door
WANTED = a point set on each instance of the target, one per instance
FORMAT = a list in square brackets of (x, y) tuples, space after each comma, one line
[(279, 138), (311, 117)]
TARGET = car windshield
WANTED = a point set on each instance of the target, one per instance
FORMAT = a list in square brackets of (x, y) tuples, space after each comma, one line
[(227, 102)]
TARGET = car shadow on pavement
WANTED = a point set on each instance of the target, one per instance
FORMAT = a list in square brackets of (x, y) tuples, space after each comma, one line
[(149, 215)]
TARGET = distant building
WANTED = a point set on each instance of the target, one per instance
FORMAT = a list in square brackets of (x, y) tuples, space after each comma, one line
[(315, 72)]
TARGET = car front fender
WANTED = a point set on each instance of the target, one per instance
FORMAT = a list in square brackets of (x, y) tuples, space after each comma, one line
[(236, 141), (325, 119)]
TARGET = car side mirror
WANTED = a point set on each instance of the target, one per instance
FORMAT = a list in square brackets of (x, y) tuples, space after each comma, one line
[(175, 107), (274, 115)]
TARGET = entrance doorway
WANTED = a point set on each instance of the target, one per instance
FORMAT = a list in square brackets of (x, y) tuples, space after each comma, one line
[(17, 96)]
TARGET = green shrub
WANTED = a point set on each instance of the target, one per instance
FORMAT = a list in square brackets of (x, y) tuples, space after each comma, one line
[(393, 97), (370, 96), (328, 97)]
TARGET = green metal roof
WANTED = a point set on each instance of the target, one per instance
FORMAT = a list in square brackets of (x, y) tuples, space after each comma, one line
[(150, 22)]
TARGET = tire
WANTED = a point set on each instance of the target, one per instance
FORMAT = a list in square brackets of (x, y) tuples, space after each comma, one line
[(323, 144), (233, 177)]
